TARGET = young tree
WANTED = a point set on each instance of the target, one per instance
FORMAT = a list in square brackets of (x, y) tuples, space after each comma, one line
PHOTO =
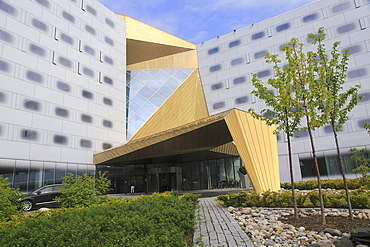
[(10, 200), (280, 108), (332, 72), (82, 191), (310, 95)]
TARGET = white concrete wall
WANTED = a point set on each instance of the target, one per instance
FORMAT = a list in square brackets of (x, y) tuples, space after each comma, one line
[(238, 54), (48, 80)]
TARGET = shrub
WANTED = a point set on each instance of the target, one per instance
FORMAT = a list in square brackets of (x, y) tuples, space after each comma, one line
[(9, 200), (337, 199), (327, 184), (145, 221), (82, 191), (360, 198)]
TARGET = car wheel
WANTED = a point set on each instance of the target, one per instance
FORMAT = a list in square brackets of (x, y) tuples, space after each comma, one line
[(28, 205)]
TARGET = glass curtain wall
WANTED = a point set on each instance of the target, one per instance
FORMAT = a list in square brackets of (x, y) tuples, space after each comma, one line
[(208, 174), (28, 175)]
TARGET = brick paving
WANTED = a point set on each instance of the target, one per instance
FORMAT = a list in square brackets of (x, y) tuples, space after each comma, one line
[(216, 227)]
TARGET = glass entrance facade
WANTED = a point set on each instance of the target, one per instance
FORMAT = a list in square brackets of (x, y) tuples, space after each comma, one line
[(148, 178)]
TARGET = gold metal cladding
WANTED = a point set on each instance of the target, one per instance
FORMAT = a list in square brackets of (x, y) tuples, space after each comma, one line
[(150, 143), (138, 30), (185, 105), (150, 48), (228, 148), (254, 140), (184, 60), (258, 150)]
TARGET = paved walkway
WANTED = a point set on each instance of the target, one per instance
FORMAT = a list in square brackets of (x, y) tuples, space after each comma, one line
[(216, 227)]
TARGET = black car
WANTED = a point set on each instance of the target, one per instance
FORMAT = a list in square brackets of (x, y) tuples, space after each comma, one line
[(42, 196)]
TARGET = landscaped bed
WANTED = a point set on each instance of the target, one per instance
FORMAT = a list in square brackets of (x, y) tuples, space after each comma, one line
[(158, 220)]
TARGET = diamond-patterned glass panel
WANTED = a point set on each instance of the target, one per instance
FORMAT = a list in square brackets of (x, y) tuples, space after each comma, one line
[(165, 92), (147, 91)]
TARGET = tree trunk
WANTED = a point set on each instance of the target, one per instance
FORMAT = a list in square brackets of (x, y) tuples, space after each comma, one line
[(323, 219), (343, 174), (292, 177)]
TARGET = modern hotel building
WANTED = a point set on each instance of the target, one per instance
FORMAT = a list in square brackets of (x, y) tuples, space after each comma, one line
[(84, 89)]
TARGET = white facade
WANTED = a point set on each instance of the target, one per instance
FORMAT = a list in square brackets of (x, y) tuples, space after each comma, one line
[(62, 87), (226, 64)]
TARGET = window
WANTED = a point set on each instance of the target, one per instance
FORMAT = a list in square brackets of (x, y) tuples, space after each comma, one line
[(88, 72), (264, 73), (360, 122), (90, 30), (282, 46), (61, 112), (91, 10), (328, 129), (44, 3), (106, 146), (239, 80), (366, 97), (86, 118), (39, 25), (235, 43), (260, 54), (5, 36), (68, 17), (107, 101), (109, 41), (258, 35), (4, 66), (237, 61), (109, 22), (217, 86), (215, 68), (218, 105), (87, 94), (2, 97), (213, 51), (108, 60), (29, 135), (67, 39), (356, 73), (340, 7), (7, 8), (353, 49), (33, 76), (346, 28), (89, 50), (300, 134), (241, 100), (85, 143), (108, 80), (309, 18), (59, 139), (107, 123), (63, 86), (65, 62), (31, 105), (282, 27)]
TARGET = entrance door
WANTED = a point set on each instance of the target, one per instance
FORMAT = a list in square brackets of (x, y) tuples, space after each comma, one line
[(167, 182)]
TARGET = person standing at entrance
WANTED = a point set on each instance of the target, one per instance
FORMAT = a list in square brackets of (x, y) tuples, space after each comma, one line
[(132, 186)]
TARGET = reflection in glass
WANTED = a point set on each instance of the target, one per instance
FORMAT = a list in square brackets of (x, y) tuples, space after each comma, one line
[(4, 66), (146, 92), (68, 17), (5, 36), (39, 25), (346, 28)]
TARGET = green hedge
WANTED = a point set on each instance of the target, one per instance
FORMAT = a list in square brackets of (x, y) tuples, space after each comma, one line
[(360, 198), (158, 220), (337, 184)]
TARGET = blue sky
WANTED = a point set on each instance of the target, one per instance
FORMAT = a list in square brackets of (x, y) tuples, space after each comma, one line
[(202, 20)]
